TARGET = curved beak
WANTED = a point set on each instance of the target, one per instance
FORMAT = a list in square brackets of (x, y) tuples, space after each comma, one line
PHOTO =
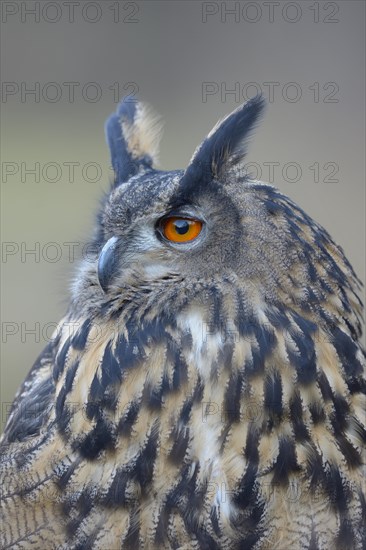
[(108, 263)]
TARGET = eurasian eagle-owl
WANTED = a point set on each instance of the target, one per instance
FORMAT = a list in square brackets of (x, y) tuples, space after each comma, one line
[(206, 388)]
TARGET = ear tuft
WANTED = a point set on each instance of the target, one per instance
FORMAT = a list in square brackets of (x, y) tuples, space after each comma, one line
[(224, 147), (133, 134)]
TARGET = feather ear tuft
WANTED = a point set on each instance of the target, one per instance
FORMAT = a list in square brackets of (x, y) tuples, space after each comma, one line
[(224, 147), (133, 134)]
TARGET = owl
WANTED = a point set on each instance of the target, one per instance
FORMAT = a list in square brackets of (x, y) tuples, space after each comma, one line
[(205, 389)]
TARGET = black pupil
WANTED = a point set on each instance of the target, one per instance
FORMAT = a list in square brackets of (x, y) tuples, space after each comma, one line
[(181, 226)]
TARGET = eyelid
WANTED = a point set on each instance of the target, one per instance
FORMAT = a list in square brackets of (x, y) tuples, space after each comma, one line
[(182, 213)]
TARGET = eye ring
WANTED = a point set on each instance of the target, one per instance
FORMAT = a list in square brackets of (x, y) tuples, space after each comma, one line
[(180, 229)]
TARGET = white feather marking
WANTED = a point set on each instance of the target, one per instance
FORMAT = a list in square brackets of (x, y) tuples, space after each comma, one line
[(205, 444), (144, 134)]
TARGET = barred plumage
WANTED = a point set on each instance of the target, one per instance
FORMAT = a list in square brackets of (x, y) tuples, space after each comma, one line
[(207, 393)]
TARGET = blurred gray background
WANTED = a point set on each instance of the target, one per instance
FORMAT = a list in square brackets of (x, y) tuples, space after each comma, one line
[(193, 62)]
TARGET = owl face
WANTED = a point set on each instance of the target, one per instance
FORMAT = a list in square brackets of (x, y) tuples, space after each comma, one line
[(150, 233), (208, 225)]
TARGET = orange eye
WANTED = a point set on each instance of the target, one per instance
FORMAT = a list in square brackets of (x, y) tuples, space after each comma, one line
[(181, 230)]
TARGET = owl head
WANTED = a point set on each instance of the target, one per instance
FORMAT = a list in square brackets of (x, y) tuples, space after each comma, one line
[(169, 237)]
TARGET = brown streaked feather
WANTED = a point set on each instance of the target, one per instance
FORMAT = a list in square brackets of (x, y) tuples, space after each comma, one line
[(210, 396)]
